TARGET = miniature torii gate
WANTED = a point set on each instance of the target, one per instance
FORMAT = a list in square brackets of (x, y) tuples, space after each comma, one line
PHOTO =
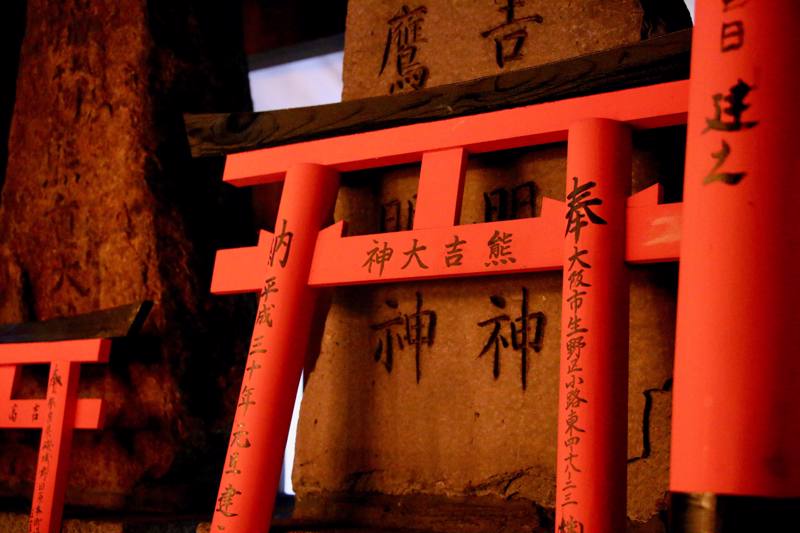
[(602, 229), (64, 344), (591, 237), (57, 415)]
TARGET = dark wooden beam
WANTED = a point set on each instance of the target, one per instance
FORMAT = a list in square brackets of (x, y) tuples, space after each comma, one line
[(652, 61), (108, 323)]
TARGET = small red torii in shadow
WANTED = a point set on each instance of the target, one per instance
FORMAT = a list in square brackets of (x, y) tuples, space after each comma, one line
[(57, 415), (64, 344)]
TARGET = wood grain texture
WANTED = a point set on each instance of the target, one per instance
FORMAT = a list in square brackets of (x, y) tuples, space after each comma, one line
[(107, 323), (652, 61)]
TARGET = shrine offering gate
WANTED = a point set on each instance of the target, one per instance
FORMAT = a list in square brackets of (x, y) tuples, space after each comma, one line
[(57, 415), (64, 344), (733, 234)]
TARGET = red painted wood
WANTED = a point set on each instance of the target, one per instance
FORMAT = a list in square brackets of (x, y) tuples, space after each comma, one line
[(653, 236), (646, 107), (441, 183), (653, 229), (8, 380), (57, 415), (593, 388), (277, 355), (54, 448), (89, 413), (77, 351), (238, 270), (533, 244), (736, 407)]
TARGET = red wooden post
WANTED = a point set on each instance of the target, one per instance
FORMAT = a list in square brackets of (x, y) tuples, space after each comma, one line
[(57, 415), (277, 354), (593, 395), (736, 408), (55, 447), (441, 182)]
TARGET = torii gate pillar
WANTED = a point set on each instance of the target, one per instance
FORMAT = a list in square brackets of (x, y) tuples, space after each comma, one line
[(277, 354), (736, 410)]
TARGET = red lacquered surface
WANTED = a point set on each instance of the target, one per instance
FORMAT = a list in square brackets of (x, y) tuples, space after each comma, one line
[(277, 354), (593, 386), (736, 410), (57, 415)]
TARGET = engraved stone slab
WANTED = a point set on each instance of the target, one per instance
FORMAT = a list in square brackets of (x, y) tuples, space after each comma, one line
[(467, 430), (393, 46), (468, 427)]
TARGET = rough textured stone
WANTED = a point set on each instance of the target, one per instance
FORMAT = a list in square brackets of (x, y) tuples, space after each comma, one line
[(459, 434), (102, 205), (18, 523), (455, 40)]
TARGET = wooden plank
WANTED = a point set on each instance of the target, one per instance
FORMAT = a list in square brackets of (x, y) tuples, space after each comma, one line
[(649, 62), (655, 106), (72, 351), (654, 229), (653, 236), (441, 186), (107, 323), (9, 375), (229, 277), (523, 245), (30, 414)]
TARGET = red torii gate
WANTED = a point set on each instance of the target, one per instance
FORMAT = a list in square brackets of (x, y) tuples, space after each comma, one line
[(57, 415), (736, 412), (590, 237)]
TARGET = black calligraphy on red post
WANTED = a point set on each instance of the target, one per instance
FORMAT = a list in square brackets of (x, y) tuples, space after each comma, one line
[(580, 213), (46, 449), (729, 107), (257, 350), (281, 246), (225, 501), (240, 440), (279, 256), (265, 308), (570, 525)]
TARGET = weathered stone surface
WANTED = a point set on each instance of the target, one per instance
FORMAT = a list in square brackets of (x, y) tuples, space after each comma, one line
[(393, 46), (18, 523), (103, 206), (460, 432)]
